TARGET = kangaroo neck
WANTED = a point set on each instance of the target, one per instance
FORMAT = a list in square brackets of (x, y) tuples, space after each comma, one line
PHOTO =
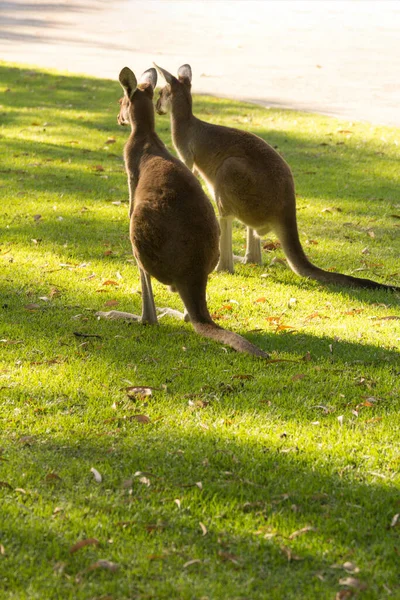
[(181, 120)]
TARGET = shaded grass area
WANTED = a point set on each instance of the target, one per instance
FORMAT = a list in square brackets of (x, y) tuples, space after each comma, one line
[(235, 478)]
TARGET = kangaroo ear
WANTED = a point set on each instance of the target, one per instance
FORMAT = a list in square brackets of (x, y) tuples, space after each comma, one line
[(185, 74), (167, 76), (128, 81), (149, 77)]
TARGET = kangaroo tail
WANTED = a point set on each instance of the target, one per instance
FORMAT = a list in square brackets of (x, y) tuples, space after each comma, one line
[(299, 263), (194, 298)]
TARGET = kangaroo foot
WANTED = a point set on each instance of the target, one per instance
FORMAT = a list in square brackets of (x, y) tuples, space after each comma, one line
[(225, 265), (171, 312), (116, 314), (248, 259)]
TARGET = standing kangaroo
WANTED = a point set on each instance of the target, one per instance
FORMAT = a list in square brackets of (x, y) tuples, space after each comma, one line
[(248, 179), (173, 228)]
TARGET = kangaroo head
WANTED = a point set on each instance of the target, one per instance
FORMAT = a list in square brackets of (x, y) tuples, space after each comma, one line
[(175, 88), (137, 102)]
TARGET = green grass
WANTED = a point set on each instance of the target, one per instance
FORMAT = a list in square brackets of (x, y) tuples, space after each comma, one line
[(252, 451)]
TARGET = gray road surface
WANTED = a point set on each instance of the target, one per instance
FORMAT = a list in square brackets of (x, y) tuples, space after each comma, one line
[(337, 57)]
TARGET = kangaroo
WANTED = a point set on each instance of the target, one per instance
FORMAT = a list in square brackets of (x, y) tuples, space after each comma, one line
[(173, 228), (248, 179)]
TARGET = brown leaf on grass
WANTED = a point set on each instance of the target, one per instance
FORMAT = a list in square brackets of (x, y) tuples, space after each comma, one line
[(2, 550), (26, 439), (353, 311), (97, 168), (107, 252), (141, 418), (315, 315), (111, 303), (37, 217), (271, 245), (227, 307), (83, 544), (276, 260), (298, 377), (110, 140), (371, 233), (194, 561), (306, 357), (344, 131), (98, 478), (103, 564), (228, 556), (140, 391), (289, 554), (242, 377), (343, 594), (52, 477), (12, 341), (110, 282), (280, 327), (374, 420), (262, 299), (353, 583), (31, 306), (395, 520), (389, 318), (177, 502), (5, 484), (302, 531), (203, 528), (311, 242), (350, 567)]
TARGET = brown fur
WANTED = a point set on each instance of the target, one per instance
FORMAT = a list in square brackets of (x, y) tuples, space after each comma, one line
[(250, 181), (173, 228)]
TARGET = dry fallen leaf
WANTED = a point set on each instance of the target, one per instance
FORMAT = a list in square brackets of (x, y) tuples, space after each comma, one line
[(141, 418), (5, 484), (191, 562), (83, 544), (98, 478), (395, 520), (145, 481), (270, 246), (343, 594), (109, 282), (350, 567), (298, 377), (228, 556), (353, 583), (2, 550), (301, 532), (111, 303), (177, 502), (52, 477), (98, 168), (103, 564), (31, 306), (203, 528), (289, 554), (139, 391)]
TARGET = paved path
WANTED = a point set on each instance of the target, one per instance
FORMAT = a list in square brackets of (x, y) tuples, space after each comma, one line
[(335, 57)]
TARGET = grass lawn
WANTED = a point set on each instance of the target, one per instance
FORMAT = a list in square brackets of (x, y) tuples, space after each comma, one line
[(227, 477)]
